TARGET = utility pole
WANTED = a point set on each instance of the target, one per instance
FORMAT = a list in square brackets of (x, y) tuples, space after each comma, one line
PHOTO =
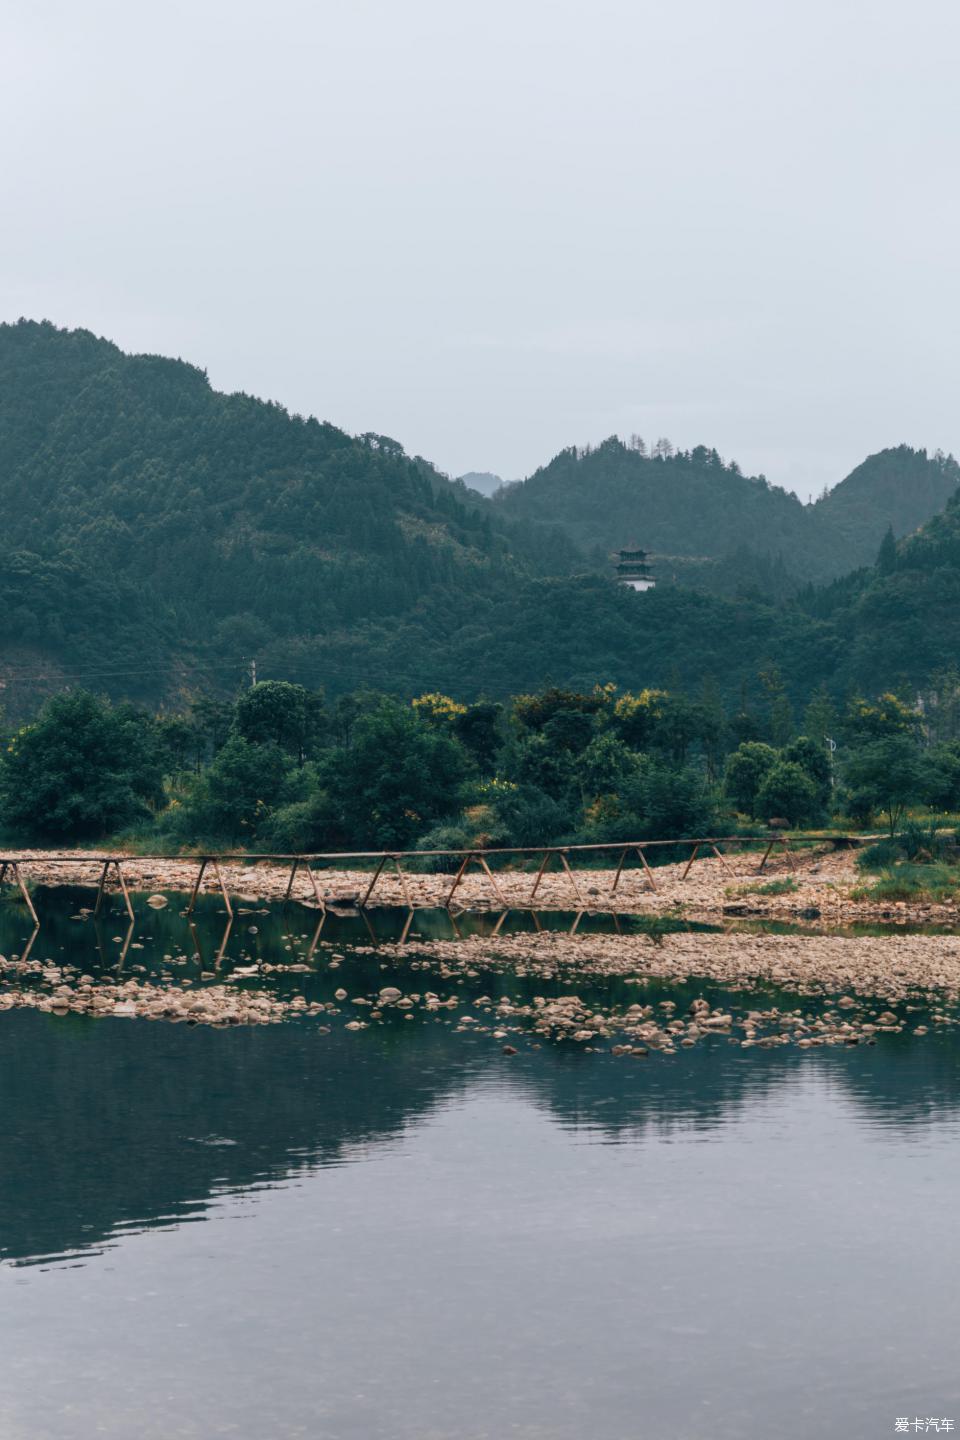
[(253, 673)]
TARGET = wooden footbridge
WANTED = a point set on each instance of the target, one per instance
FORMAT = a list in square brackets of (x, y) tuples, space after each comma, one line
[(117, 869)]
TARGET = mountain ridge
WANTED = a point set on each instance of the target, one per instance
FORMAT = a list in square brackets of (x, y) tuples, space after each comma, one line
[(691, 505), (160, 534)]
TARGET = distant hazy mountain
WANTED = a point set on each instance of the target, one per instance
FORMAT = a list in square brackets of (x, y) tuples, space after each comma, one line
[(691, 507), (482, 481)]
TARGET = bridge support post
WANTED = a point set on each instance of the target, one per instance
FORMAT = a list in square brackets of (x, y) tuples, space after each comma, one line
[(693, 856), (196, 886), (223, 888), (376, 876), (102, 887), (14, 867)]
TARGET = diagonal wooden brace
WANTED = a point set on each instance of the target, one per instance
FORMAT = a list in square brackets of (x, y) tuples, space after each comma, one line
[(102, 887)]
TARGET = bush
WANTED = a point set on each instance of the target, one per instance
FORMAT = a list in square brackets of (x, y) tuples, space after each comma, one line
[(233, 798), (745, 772), (879, 856), (657, 803), (911, 882), (919, 840), (302, 827), (526, 816), (448, 836), (83, 769), (788, 790)]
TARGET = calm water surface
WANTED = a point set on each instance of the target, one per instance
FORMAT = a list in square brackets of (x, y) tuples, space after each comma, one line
[(406, 1234)]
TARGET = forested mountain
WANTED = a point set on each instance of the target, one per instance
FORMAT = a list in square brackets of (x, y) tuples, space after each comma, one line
[(694, 511), (158, 535), (152, 524)]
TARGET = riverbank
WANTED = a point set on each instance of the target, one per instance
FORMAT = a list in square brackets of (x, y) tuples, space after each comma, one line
[(815, 884)]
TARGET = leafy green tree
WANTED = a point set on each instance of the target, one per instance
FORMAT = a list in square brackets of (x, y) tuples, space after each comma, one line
[(787, 790), (532, 761), (236, 793), (678, 724), (278, 713), (745, 771), (658, 802), (478, 730), (941, 775), (605, 765), (398, 777), (82, 770), (569, 730), (889, 772), (532, 712), (780, 721), (179, 740), (880, 719), (814, 759), (212, 720), (820, 716), (637, 717)]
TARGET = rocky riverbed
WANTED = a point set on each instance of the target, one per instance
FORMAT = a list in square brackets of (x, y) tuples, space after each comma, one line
[(626, 994)]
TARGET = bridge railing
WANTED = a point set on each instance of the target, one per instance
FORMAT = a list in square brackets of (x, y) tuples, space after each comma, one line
[(117, 865)]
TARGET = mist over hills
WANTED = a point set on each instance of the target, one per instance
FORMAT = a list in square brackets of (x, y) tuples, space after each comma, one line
[(482, 481), (158, 535)]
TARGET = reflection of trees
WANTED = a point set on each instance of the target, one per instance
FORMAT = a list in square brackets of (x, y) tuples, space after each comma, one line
[(899, 1084), (115, 1123)]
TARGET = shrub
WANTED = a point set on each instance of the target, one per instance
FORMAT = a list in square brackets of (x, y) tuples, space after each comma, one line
[(447, 836), (919, 840), (398, 774), (911, 882), (745, 772), (788, 790), (879, 856), (82, 769), (528, 816), (302, 826)]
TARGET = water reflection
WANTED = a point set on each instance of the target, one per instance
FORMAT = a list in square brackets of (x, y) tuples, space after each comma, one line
[(110, 1125)]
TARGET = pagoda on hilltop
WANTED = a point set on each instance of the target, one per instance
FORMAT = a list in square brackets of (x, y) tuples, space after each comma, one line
[(633, 569)]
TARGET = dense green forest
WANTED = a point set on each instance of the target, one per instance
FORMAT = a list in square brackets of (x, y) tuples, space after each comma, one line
[(158, 536), (152, 524), (282, 769), (712, 526)]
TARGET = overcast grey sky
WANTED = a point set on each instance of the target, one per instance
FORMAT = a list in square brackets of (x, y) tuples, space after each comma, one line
[(495, 228)]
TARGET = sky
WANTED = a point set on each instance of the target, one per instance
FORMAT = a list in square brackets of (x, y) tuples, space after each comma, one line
[(495, 228)]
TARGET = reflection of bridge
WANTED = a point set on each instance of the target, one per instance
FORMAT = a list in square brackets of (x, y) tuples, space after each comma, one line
[(212, 952), (119, 867)]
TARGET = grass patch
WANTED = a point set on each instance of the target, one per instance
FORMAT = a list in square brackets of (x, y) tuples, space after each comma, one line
[(786, 886), (937, 882)]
